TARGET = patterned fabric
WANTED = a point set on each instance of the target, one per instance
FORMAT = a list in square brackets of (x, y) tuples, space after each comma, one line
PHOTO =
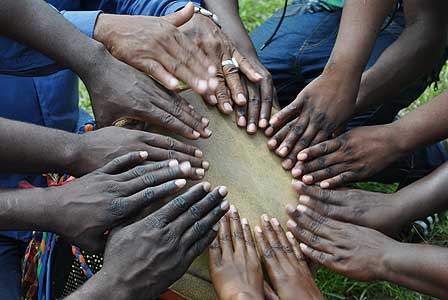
[(334, 3)]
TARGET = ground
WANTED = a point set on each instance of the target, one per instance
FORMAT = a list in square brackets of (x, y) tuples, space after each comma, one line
[(253, 12)]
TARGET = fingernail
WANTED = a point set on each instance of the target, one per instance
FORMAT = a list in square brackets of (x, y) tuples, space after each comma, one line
[(198, 153), (301, 208), (216, 227), (304, 198), (174, 83), (225, 205), (173, 163), (273, 120), (202, 85), (296, 172), (275, 222), (269, 131), (206, 186), (287, 164), (290, 208), (242, 99), (208, 132), (308, 179), (258, 76), (303, 247), (233, 209), (228, 107), (325, 184), (213, 83), (265, 217), (258, 229), (213, 100), (302, 156), (242, 121), (180, 183), (289, 235), (244, 221), (143, 154), (263, 123), (272, 143), (291, 223), (205, 121), (185, 167), (190, 106), (196, 134), (205, 165), (252, 128), (283, 151), (200, 172), (223, 191), (212, 70)]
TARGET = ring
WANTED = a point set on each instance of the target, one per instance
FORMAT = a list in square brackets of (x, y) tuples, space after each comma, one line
[(231, 62)]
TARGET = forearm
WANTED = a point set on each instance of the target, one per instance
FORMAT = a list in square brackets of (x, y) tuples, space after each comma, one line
[(414, 55), (27, 148), (228, 13), (38, 25), (423, 268)]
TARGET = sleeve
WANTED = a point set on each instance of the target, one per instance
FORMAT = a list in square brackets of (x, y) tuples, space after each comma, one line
[(149, 7), (83, 20)]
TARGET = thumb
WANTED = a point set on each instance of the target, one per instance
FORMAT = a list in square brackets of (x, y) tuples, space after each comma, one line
[(182, 16)]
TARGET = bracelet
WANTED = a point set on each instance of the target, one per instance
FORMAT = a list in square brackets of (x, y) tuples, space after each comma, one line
[(208, 14)]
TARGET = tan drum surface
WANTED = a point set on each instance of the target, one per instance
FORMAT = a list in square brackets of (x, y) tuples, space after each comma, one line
[(256, 181)]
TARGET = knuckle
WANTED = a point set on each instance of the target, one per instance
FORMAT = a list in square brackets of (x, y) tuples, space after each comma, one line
[(195, 212), (180, 203), (149, 179), (171, 144), (297, 129), (199, 228), (156, 221), (167, 119), (321, 162), (118, 207), (138, 171), (268, 253), (323, 148), (149, 195)]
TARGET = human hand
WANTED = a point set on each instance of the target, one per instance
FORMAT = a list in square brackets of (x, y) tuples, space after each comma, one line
[(143, 259), (351, 250), (233, 261), (156, 47), (284, 262), (319, 109), (353, 156), (85, 208), (218, 48), (98, 147), (119, 92)]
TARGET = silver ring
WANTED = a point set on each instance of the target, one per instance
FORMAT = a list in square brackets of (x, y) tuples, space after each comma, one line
[(231, 62)]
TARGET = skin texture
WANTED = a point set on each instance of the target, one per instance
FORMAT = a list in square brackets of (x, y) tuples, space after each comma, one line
[(261, 94), (365, 254), (284, 262), (143, 259), (155, 46), (218, 48), (26, 148), (329, 100), (233, 261)]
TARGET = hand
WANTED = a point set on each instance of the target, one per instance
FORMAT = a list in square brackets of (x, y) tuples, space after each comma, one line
[(155, 46), (353, 156), (284, 262), (319, 109), (351, 250), (143, 259), (87, 207), (119, 91), (233, 261), (218, 48), (98, 147)]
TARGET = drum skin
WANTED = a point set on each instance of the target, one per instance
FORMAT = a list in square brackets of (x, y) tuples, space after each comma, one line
[(256, 181)]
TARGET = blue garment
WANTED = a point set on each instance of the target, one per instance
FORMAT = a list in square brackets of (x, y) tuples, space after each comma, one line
[(34, 89), (299, 53)]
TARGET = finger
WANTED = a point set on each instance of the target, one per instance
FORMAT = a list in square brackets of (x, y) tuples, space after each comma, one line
[(250, 245), (124, 162), (214, 254), (193, 220), (265, 249), (293, 137), (340, 180), (319, 150), (233, 81), (246, 67), (267, 99), (295, 246), (157, 154), (317, 256), (327, 196), (240, 115), (272, 239), (326, 209), (309, 238), (275, 141), (223, 96), (158, 71), (164, 142), (200, 245), (320, 137), (324, 174), (182, 16), (225, 237), (285, 115), (281, 237), (320, 163), (253, 107), (269, 293), (236, 230), (146, 167)]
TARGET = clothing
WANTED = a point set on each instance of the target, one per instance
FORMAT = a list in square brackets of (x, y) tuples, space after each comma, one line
[(34, 89), (334, 3), (299, 53)]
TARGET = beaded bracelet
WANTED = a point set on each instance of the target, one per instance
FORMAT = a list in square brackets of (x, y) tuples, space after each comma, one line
[(208, 14)]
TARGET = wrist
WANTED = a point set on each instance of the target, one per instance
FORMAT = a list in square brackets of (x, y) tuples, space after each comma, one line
[(401, 137), (244, 296), (72, 154), (388, 267)]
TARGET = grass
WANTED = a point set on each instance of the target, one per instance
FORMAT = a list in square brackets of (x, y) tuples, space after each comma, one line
[(334, 286)]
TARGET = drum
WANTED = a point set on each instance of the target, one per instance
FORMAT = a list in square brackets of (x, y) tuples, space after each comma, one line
[(256, 181)]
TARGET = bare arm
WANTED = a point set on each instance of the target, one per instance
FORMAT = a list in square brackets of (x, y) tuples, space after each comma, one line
[(414, 54)]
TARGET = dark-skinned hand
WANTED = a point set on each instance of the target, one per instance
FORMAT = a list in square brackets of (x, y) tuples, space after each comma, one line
[(233, 261), (319, 109), (96, 148), (351, 250), (284, 262), (143, 259), (155, 46), (218, 48), (119, 91), (354, 156), (87, 207)]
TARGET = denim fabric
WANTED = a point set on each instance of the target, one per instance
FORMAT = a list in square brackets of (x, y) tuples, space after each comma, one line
[(11, 254), (300, 51)]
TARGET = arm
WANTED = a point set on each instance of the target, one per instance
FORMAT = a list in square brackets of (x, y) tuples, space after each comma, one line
[(413, 55)]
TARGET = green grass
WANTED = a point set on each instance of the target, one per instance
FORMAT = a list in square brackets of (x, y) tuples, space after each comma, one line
[(334, 286)]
